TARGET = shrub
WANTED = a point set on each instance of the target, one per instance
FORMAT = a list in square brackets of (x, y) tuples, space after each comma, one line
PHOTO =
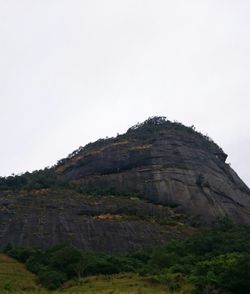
[(227, 272), (51, 279), (64, 258), (21, 254)]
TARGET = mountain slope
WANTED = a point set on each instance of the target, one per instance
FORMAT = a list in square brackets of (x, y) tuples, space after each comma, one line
[(165, 163), (47, 217), (131, 192)]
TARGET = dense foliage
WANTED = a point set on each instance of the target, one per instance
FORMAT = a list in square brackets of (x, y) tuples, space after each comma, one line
[(214, 261), (39, 179), (47, 178), (61, 263)]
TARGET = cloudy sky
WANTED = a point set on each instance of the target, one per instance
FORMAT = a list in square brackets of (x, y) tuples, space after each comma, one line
[(73, 71)]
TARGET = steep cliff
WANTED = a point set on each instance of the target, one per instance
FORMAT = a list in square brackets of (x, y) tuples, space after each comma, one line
[(165, 163), (47, 217), (131, 192)]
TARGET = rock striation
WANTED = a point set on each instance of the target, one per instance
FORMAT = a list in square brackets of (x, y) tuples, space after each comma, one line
[(165, 163), (48, 217), (132, 192)]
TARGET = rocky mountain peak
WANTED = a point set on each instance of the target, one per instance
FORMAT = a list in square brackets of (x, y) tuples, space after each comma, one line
[(167, 163), (134, 191)]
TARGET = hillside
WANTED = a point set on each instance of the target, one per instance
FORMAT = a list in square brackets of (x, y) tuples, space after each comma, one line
[(166, 163), (15, 277), (143, 188), (46, 217)]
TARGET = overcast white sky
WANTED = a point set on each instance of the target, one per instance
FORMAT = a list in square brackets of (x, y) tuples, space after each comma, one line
[(77, 70)]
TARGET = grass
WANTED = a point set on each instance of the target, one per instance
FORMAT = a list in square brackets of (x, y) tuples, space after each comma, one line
[(117, 284), (15, 279)]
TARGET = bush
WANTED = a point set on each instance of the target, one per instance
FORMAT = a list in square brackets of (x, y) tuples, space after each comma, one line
[(237, 277), (172, 280), (64, 259), (37, 262), (162, 259), (51, 279), (227, 272), (21, 254)]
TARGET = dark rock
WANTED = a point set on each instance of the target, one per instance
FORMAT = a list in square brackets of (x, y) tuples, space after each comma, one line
[(165, 163), (178, 176), (97, 223)]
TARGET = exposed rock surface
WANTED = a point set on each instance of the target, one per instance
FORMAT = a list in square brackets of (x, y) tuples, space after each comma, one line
[(166, 163), (44, 218), (171, 175)]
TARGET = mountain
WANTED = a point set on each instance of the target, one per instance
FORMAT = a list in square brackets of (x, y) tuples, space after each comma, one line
[(134, 191), (166, 163)]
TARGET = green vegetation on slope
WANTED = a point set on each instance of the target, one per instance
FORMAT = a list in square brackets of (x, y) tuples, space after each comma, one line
[(110, 284), (48, 179), (14, 276), (214, 260), (38, 179), (118, 284)]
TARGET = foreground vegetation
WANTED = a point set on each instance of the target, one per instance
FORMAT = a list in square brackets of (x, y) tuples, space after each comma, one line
[(15, 277), (214, 261)]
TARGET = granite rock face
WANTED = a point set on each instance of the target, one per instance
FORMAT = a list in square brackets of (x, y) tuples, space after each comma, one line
[(47, 217), (165, 163), (131, 192)]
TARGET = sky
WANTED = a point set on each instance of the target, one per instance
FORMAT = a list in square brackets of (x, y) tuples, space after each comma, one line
[(74, 71)]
